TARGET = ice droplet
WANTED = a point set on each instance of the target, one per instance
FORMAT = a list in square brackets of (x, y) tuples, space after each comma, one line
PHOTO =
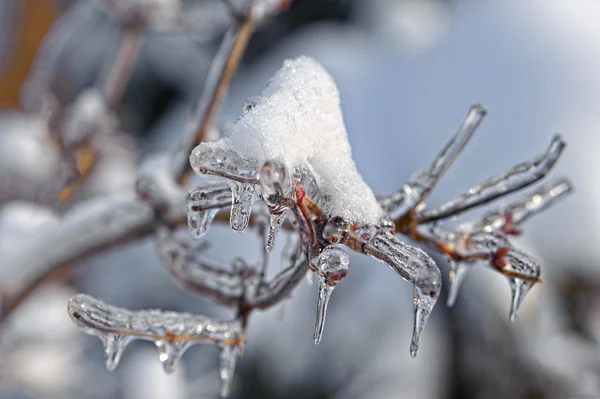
[(114, 345), (275, 223), (228, 357), (519, 289), (243, 198), (170, 353), (423, 304), (457, 275), (332, 266)]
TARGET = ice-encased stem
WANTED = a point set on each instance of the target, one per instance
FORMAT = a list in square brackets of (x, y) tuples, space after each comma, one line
[(242, 201), (228, 358), (172, 332), (516, 178), (520, 210), (422, 184), (325, 291)]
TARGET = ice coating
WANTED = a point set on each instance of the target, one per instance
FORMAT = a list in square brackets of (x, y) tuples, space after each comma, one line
[(298, 119)]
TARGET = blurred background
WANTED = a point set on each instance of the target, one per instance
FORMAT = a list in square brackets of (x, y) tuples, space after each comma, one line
[(407, 71)]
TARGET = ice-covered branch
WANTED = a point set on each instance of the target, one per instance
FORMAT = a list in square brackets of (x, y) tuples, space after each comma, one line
[(221, 72), (172, 333), (508, 217), (197, 274), (516, 178), (413, 193), (91, 227)]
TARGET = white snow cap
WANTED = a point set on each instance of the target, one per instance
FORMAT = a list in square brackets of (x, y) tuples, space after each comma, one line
[(297, 119)]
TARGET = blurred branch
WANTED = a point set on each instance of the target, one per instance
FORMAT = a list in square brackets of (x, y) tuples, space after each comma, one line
[(219, 78)]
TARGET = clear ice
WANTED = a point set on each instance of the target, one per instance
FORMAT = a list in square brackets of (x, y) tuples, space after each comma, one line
[(278, 194), (519, 262), (516, 178), (228, 357), (458, 271), (332, 266), (172, 333), (423, 304), (203, 205), (243, 197), (415, 266), (422, 183)]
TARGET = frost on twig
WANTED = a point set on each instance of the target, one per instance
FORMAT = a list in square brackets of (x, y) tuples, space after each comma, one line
[(172, 333), (290, 149)]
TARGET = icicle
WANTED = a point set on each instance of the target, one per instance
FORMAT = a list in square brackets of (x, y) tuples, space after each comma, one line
[(199, 221), (170, 353), (241, 205), (325, 291), (277, 192), (519, 289), (423, 304), (228, 357), (275, 223), (204, 204), (332, 266), (114, 345), (457, 275), (517, 263)]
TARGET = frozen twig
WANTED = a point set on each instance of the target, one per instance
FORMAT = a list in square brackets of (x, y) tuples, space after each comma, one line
[(508, 217), (413, 193), (217, 83), (95, 225), (127, 55), (172, 333), (197, 274), (516, 178)]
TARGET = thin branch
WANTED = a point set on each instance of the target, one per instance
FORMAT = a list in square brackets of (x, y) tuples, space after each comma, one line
[(197, 274), (127, 56), (518, 177), (95, 225), (508, 217), (219, 78), (416, 191), (154, 325), (114, 87)]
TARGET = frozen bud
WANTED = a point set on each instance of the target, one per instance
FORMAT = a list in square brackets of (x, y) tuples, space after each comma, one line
[(335, 230), (275, 181), (333, 264)]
